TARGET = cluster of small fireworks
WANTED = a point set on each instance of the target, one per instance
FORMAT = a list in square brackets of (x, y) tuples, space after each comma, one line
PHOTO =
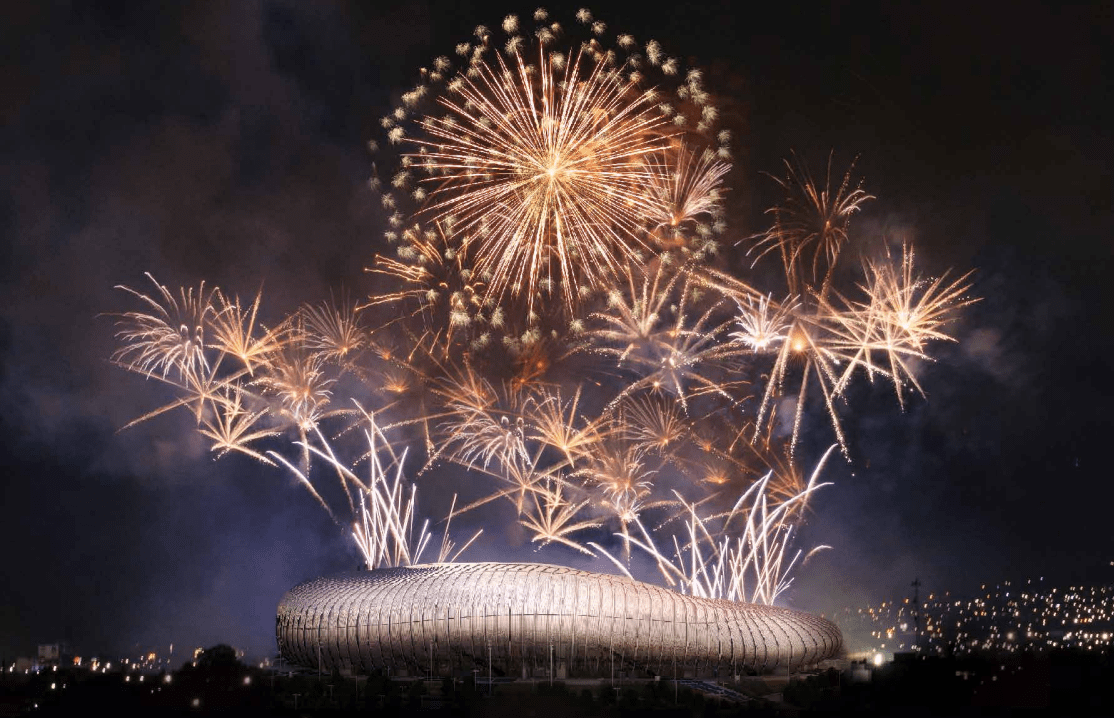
[(558, 327)]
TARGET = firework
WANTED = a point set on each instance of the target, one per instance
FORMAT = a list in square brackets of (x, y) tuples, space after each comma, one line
[(763, 326), (438, 278), (541, 177), (234, 333), (653, 330), (553, 519), (298, 378), (654, 424), (805, 346), (549, 170), (482, 423), (557, 424), (557, 332), (811, 224), (901, 315), (170, 335), (234, 428), (620, 476), (333, 332), (685, 190), (712, 563)]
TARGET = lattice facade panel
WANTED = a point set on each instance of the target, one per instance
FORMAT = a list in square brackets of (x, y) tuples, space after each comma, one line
[(452, 617)]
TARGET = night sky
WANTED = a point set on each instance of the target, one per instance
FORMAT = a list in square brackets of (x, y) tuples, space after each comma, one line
[(226, 142)]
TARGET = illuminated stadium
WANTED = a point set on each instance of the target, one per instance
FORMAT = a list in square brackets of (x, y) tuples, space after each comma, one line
[(535, 620)]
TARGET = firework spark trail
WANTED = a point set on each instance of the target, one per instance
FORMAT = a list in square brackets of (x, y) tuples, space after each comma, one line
[(332, 331), (683, 356), (438, 277), (804, 345), (385, 529), (555, 424), (811, 216), (233, 428), (170, 336), (684, 187), (552, 519), (761, 327), (768, 455), (201, 391), (234, 333), (710, 565), (521, 482), (304, 481), (901, 315), (448, 552)]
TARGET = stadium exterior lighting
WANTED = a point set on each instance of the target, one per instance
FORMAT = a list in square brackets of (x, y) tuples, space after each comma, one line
[(534, 619)]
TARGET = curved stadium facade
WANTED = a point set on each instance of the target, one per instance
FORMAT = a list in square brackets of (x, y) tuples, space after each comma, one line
[(537, 619)]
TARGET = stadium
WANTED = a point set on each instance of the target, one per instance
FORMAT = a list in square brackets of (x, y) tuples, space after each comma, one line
[(531, 620)]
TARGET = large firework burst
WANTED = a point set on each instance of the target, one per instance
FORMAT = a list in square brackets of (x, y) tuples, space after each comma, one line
[(543, 171), (552, 169)]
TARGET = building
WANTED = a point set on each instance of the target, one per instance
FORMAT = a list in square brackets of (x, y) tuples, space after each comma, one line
[(535, 620)]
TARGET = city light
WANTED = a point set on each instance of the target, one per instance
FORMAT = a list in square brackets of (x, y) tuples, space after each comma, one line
[(1008, 617)]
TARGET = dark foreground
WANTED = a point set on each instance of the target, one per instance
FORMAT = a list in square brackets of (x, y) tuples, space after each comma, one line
[(1064, 683)]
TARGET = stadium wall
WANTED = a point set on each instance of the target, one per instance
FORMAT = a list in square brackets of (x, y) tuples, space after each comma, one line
[(444, 619)]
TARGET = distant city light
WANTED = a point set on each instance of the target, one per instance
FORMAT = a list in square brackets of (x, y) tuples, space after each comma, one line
[(1001, 619)]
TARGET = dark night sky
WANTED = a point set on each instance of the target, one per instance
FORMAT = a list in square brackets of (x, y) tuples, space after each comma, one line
[(225, 142)]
